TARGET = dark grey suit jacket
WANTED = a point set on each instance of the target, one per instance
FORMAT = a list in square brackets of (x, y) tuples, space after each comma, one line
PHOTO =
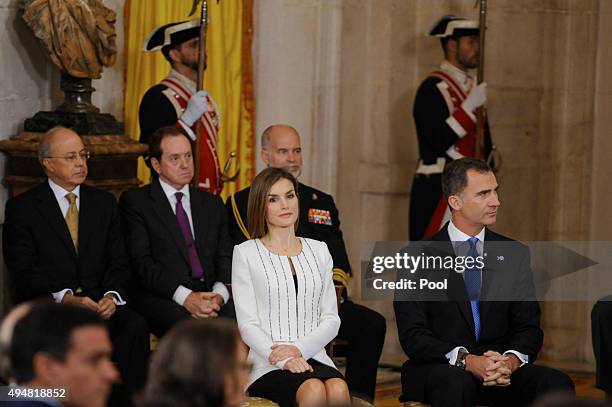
[(41, 257), (156, 245), (428, 330)]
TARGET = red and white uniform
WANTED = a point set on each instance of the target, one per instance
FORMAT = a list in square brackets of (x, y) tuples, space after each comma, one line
[(446, 131)]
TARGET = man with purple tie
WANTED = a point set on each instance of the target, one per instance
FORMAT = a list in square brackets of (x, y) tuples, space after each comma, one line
[(177, 239)]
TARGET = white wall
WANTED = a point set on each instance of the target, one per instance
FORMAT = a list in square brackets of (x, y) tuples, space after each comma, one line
[(297, 74)]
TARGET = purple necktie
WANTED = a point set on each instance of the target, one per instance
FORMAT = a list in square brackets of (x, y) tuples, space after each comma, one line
[(183, 220)]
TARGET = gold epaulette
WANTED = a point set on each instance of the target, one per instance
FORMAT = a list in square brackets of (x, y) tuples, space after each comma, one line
[(238, 218), (341, 276)]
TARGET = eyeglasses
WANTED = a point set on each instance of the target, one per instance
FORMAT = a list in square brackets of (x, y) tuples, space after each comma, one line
[(72, 158)]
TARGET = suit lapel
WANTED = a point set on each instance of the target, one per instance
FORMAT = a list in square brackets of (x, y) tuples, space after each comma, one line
[(490, 284), (456, 285), (463, 302), (51, 213), (200, 223), (488, 271), (161, 206), (87, 218)]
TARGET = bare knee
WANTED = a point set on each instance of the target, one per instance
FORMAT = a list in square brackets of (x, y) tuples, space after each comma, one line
[(311, 393), (337, 392)]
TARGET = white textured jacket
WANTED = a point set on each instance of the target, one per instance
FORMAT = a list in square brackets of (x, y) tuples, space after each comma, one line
[(268, 309)]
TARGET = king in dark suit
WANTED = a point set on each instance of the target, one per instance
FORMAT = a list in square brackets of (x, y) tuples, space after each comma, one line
[(477, 345), (363, 328), (177, 240), (63, 240)]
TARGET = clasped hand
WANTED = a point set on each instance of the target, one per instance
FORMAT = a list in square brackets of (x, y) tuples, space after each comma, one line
[(203, 304), (295, 362), (105, 307), (492, 368)]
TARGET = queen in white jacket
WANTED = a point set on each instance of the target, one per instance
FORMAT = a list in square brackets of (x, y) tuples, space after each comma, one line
[(284, 295)]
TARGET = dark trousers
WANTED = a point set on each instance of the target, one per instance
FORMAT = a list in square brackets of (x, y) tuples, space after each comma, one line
[(162, 314), (601, 326), (449, 386), (130, 335), (364, 330)]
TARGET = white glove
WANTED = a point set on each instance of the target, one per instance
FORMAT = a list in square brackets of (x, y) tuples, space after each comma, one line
[(476, 98), (196, 107)]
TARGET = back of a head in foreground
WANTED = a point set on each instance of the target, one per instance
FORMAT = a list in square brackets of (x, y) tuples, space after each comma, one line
[(196, 364)]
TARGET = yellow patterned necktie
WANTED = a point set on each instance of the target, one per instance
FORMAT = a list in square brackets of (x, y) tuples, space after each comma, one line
[(72, 219)]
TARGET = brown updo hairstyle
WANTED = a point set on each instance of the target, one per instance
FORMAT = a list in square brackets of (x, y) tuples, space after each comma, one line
[(190, 366), (258, 199)]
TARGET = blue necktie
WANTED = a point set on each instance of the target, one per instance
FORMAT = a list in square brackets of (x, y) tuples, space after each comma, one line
[(473, 279)]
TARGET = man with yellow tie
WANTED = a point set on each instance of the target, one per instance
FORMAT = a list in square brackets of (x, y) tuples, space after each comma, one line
[(62, 240)]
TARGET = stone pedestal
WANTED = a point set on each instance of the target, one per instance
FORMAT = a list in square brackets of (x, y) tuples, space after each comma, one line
[(83, 123), (112, 166), (76, 112)]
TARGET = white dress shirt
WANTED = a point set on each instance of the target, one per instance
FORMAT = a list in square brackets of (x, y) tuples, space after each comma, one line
[(60, 196), (459, 241), (181, 292)]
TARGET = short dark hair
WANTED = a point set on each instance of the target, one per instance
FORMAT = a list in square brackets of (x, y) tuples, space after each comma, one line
[(191, 364), (454, 177), (47, 328), (444, 41), (258, 199), (166, 52), (155, 150)]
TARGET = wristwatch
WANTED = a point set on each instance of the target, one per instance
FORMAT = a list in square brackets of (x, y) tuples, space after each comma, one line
[(461, 355)]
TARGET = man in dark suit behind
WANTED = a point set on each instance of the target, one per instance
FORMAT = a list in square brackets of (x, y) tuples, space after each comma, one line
[(63, 240), (464, 351), (363, 328), (177, 239)]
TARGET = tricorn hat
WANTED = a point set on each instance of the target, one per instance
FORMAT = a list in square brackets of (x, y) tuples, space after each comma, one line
[(171, 35), (452, 26)]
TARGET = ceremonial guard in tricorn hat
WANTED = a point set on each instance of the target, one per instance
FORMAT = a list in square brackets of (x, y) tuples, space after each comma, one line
[(445, 117), (176, 101)]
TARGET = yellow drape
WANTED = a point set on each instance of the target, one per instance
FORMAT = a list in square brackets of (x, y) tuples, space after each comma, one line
[(228, 77)]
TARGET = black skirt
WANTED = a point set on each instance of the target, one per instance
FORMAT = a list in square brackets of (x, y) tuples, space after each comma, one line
[(281, 386)]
